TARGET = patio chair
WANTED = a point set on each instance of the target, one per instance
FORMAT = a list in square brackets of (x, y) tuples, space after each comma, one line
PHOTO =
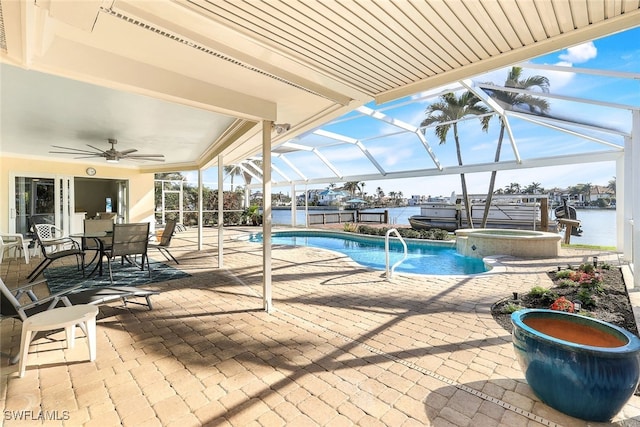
[(51, 237), (107, 215), (97, 226), (53, 255), (128, 241), (11, 305), (165, 241), (16, 242)]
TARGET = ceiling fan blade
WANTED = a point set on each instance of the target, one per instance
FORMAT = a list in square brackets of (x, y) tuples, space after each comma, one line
[(95, 148), (72, 150), (89, 156), (111, 154)]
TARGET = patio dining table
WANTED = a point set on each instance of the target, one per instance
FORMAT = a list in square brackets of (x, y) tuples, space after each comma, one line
[(99, 238)]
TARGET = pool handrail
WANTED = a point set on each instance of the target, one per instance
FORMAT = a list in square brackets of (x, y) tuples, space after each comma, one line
[(389, 273)]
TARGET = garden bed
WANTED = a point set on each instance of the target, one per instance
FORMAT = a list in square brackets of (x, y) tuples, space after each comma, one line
[(606, 300)]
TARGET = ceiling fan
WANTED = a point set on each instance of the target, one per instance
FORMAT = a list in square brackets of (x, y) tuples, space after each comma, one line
[(112, 155)]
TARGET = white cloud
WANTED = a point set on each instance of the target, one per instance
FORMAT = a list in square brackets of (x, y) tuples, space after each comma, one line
[(559, 79), (580, 53)]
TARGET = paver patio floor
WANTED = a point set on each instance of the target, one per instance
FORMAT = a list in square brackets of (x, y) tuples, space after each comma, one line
[(343, 346)]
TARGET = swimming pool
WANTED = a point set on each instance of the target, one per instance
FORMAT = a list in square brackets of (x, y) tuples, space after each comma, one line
[(423, 257)]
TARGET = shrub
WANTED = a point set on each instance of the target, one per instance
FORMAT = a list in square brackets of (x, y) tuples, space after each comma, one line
[(587, 298), (511, 308), (538, 291), (435, 234), (562, 304), (564, 274), (566, 283), (587, 268), (350, 227), (409, 233), (365, 229), (545, 295)]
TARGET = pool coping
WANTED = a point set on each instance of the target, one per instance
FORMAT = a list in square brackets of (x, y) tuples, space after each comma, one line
[(491, 262)]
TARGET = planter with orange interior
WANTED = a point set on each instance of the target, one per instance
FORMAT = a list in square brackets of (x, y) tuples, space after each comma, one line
[(580, 366)]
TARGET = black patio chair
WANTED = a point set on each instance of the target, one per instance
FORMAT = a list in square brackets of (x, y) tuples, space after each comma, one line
[(51, 252)]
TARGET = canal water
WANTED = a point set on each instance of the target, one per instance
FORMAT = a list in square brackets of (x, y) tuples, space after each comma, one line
[(598, 225)]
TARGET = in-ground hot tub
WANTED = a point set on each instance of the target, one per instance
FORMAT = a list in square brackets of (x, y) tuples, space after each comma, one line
[(482, 242)]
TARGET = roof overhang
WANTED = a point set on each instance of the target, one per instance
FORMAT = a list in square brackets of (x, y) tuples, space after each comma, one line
[(222, 68)]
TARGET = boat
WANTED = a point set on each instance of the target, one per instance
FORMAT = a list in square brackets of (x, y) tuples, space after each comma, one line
[(445, 216), (505, 212)]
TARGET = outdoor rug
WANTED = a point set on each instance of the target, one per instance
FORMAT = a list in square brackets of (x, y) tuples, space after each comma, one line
[(61, 278)]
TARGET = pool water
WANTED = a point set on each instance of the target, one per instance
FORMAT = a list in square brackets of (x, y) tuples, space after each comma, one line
[(423, 257)]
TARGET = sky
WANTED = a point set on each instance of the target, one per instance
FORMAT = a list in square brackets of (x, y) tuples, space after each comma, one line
[(397, 151)]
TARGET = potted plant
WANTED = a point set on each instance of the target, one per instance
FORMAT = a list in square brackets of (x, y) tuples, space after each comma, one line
[(254, 215), (581, 366)]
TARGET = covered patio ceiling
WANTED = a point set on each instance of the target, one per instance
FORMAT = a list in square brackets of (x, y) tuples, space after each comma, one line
[(195, 79)]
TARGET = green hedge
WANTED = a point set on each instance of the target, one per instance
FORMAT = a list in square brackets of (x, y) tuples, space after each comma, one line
[(410, 233)]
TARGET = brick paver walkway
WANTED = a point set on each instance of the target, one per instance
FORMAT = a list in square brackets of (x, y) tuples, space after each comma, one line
[(343, 346)]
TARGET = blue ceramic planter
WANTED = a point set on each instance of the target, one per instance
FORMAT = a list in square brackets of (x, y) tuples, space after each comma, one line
[(587, 381)]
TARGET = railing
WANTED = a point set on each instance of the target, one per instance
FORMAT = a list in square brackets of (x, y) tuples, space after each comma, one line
[(348, 216), (386, 252), (331, 218)]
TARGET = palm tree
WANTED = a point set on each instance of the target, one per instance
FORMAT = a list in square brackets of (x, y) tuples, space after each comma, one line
[(509, 100), (448, 110), (513, 188), (392, 194), (232, 171), (352, 187), (612, 185), (586, 190), (533, 188), (379, 194)]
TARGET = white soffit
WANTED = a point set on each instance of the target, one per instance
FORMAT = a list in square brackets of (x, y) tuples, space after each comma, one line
[(389, 49), (303, 62)]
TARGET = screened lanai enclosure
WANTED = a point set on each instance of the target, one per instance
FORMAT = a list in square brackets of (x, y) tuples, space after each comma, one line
[(299, 94), (390, 141)]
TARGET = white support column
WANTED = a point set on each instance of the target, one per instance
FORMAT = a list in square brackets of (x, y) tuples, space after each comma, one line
[(623, 201), (200, 208), (220, 213), (306, 207), (181, 203), (294, 206), (633, 175), (266, 213)]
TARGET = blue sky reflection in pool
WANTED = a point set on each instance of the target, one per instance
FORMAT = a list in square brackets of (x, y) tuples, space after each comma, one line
[(424, 258)]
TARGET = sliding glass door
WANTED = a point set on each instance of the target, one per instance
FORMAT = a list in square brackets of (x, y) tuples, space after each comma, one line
[(40, 199)]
